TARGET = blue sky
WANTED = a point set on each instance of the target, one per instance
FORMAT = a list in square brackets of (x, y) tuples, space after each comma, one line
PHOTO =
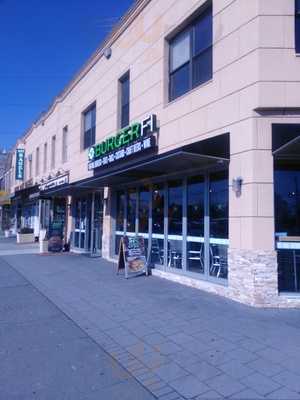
[(43, 43)]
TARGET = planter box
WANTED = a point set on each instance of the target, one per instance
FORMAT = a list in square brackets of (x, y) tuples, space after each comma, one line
[(25, 238), (43, 246)]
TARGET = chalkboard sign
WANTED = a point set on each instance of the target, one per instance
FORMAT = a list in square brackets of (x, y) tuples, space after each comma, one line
[(55, 243), (132, 256)]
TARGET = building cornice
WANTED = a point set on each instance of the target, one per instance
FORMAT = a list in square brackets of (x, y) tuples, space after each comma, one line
[(112, 37)]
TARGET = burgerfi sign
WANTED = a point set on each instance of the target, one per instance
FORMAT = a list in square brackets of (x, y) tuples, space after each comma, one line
[(123, 138)]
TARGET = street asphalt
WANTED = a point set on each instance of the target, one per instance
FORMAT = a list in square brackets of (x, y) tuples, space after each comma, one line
[(70, 328)]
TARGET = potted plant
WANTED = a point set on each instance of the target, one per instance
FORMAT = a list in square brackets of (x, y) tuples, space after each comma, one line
[(25, 235), (44, 241)]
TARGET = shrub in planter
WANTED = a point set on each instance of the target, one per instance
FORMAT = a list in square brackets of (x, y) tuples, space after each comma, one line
[(25, 235), (24, 231)]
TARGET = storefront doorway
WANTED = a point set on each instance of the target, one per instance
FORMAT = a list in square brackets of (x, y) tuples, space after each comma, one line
[(184, 222), (88, 224)]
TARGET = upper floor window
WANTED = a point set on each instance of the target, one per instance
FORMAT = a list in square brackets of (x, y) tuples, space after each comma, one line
[(124, 100), (65, 144), (45, 157), (53, 151), (297, 26), (37, 161), (191, 55), (89, 127), (30, 166)]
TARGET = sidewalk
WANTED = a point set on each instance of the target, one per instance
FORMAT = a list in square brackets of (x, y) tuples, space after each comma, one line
[(9, 246), (45, 356), (179, 342)]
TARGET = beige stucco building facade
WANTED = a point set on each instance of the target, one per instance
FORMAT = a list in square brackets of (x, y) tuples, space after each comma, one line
[(215, 125)]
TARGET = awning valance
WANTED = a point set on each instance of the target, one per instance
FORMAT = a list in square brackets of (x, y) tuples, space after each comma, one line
[(159, 165)]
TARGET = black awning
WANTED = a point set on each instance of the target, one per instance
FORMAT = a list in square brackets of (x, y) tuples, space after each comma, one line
[(25, 193), (170, 162), (289, 151), (62, 191)]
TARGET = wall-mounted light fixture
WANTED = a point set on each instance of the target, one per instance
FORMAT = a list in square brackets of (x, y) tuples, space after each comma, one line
[(107, 53), (237, 186)]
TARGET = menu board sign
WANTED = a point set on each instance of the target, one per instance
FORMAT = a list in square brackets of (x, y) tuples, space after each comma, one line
[(132, 256), (55, 243)]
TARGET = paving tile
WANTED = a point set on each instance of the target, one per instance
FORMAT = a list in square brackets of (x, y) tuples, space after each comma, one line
[(242, 355), (203, 370), (196, 347), (189, 386), (235, 369), (216, 357), (210, 395), (128, 340), (288, 379), (292, 364), (162, 391), (225, 385), (168, 330), (168, 348), (170, 396), (283, 394), (223, 345), (180, 338), (260, 384), (265, 367), (155, 339), (252, 345), (153, 359), (270, 354), (247, 394), (139, 349), (184, 358), (170, 372)]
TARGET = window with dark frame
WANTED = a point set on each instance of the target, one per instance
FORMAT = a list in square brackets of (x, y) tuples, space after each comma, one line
[(125, 100), (297, 26), (65, 144), (89, 126), (53, 151), (191, 55), (37, 161)]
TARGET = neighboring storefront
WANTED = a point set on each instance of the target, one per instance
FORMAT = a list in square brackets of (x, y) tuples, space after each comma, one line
[(26, 206)]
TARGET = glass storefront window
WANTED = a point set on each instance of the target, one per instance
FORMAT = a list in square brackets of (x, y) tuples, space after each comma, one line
[(287, 225), (143, 214), (175, 200), (195, 238), (120, 215), (195, 224), (218, 229), (131, 210), (158, 202), (144, 198)]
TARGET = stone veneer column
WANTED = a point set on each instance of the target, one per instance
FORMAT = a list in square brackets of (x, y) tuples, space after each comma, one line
[(252, 260)]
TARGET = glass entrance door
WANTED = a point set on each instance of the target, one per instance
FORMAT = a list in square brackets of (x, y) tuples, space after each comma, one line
[(96, 225), (80, 231)]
